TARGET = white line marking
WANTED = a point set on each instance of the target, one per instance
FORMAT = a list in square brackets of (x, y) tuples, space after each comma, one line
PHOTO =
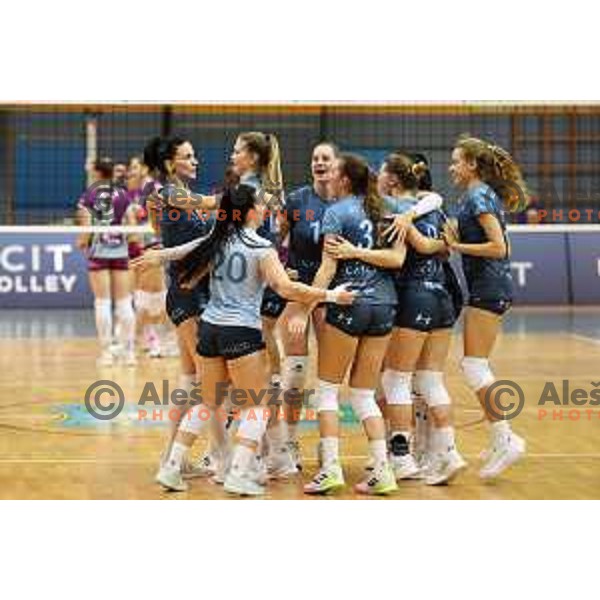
[(62, 229), (586, 338), (350, 457)]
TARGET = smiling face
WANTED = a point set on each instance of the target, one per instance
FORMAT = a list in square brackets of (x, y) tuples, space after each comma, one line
[(323, 158), (462, 171), (242, 160), (184, 164)]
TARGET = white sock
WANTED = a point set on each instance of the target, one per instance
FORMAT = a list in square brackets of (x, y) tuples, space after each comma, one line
[(103, 314), (177, 454), (241, 459), (443, 439), (421, 425), (378, 449), (499, 430), (330, 446)]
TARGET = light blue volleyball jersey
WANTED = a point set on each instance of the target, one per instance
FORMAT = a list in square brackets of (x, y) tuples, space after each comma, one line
[(236, 283)]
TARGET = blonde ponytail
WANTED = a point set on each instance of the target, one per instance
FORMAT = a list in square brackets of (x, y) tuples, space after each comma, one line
[(272, 177), (266, 148)]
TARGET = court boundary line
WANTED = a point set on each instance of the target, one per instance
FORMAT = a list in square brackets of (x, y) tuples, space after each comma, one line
[(76, 229), (349, 457), (586, 338)]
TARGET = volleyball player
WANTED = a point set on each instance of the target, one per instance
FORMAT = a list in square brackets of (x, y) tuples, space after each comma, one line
[(241, 263), (305, 208), (421, 445), (149, 286), (103, 204), (119, 177), (491, 180), (175, 161), (256, 161), (422, 331), (354, 338)]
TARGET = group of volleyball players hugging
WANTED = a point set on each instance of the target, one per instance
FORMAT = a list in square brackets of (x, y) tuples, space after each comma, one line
[(357, 257)]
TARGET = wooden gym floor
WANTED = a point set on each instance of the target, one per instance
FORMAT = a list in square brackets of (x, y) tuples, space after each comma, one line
[(50, 447)]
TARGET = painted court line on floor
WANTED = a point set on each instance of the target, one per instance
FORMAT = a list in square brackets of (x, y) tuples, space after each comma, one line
[(308, 460), (586, 338)]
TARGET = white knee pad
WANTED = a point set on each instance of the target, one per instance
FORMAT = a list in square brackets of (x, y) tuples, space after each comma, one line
[(327, 396), (396, 387), (416, 384), (363, 403), (477, 372), (196, 419), (253, 424), (124, 310), (155, 303), (103, 304), (295, 372), (431, 386)]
